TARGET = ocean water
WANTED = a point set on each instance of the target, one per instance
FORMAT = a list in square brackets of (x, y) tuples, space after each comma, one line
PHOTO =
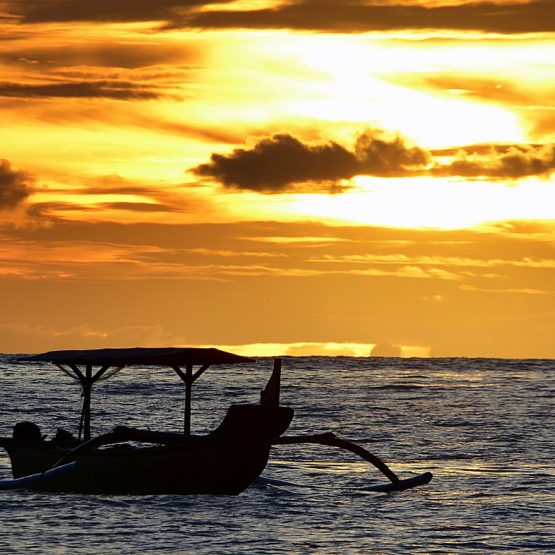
[(484, 427)]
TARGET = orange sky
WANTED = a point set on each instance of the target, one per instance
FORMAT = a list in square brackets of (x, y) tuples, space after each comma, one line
[(279, 177)]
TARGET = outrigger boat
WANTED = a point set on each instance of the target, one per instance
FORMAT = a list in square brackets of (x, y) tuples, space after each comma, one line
[(135, 461)]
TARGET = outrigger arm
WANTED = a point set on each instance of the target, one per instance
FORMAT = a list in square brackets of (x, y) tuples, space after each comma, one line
[(329, 438), (332, 440)]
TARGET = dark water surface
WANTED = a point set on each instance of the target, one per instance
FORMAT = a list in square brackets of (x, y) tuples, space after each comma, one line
[(484, 427)]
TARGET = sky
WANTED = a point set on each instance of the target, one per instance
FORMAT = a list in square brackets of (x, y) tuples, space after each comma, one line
[(296, 177)]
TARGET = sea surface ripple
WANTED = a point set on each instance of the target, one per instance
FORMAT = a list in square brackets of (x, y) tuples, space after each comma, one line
[(484, 427)]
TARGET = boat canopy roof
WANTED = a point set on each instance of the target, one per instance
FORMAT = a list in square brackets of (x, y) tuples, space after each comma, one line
[(167, 356)]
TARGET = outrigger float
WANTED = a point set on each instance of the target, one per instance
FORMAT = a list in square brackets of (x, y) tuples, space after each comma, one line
[(131, 461)]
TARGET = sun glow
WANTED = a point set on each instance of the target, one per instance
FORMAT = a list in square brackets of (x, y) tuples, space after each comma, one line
[(350, 80), (433, 203), (430, 121), (310, 348)]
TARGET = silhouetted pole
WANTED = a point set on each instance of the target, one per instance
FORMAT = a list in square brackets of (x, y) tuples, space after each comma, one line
[(87, 394), (188, 395), (188, 378)]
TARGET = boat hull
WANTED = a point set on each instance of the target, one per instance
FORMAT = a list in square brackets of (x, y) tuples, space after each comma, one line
[(224, 462), (215, 469)]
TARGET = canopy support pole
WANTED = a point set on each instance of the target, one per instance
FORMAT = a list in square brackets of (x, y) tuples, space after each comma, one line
[(188, 395), (188, 379), (87, 392), (87, 379)]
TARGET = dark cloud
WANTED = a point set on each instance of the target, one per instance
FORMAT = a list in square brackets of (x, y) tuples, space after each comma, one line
[(360, 15), (501, 16), (284, 163), (138, 207), (507, 162), (43, 11), (121, 90), (482, 149), (15, 186), (47, 209), (381, 155), (119, 55), (278, 163), (115, 190)]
